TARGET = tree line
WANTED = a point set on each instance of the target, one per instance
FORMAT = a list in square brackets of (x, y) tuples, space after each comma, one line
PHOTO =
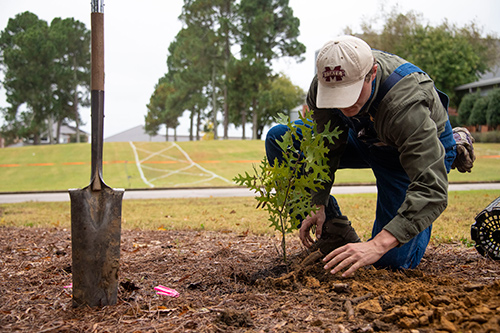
[(450, 54), (477, 109), (46, 75), (220, 63), (221, 60)]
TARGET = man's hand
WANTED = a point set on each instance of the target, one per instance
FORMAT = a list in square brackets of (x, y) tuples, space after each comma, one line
[(316, 219), (357, 255)]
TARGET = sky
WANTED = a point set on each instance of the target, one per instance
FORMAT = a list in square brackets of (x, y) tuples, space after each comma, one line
[(137, 35)]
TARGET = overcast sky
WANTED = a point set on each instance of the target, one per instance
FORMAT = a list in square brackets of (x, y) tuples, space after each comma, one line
[(138, 33)]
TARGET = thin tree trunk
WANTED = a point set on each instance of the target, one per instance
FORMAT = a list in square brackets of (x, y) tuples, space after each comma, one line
[(226, 113), (226, 63), (243, 123), (191, 124), (58, 132), (36, 139), (198, 124), (254, 119), (214, 104)]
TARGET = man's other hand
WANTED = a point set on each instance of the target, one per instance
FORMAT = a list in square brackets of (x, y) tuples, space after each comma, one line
[(312, 219), (465, 150), (355, 255)]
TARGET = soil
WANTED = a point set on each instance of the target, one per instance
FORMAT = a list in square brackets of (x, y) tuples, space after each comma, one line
[(238, 283)]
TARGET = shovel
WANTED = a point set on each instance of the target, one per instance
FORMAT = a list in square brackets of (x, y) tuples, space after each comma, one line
[(96, 209)]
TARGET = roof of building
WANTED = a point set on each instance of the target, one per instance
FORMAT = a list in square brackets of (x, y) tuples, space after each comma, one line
[(136, 134), (480, 84)]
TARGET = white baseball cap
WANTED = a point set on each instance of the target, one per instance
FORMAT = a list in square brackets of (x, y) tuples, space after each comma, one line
[(342, 65)]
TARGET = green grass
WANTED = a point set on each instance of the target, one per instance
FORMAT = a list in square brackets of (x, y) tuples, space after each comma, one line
[(60, 167), (486, 166), (26, 169), (239, 215)]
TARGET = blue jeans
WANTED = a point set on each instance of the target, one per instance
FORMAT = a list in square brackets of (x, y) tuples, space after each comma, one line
[(392, 183)]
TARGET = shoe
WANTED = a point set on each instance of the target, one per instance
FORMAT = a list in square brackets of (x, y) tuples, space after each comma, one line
[(336, 232)]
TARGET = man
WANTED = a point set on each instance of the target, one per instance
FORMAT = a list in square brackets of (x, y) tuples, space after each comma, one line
[(394, 122)]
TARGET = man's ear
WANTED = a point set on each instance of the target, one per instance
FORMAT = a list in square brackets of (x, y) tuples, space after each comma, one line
[(374, 74)]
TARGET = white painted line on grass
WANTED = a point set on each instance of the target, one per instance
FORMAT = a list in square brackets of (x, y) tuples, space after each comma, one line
[(214, 175), (138, 164)]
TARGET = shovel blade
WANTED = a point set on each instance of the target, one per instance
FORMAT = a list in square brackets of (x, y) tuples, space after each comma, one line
[(95, 237)]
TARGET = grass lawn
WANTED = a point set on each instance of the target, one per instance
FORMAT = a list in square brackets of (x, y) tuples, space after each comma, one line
[(164, 164), (240, 215)]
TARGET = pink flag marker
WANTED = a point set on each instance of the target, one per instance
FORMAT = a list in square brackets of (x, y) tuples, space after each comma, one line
[(162, 290), (69, 286)]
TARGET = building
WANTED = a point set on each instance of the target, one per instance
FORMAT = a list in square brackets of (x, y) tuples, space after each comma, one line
[(138, 134), (67, 134), (486, 83)]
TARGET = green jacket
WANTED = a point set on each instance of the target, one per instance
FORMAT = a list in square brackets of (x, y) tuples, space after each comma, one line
[(410, 118)]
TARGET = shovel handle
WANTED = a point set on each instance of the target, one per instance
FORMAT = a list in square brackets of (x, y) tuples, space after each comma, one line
[(97, 92), (97, 20)]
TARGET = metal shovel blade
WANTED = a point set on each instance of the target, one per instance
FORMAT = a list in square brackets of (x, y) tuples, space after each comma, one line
[(95, 235)]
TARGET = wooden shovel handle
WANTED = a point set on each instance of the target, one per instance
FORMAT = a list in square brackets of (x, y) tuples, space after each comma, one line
[(97, 51), (97, 98)]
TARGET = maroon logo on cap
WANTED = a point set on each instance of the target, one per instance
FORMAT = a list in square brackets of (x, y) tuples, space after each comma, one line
[(333, 74)]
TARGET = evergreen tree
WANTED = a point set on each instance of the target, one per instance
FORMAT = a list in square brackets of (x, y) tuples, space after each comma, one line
[(47, 74), (268, 31), (27, 56), (493, 109)]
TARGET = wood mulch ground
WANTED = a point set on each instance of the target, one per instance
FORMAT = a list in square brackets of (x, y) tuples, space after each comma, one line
[(237, 283)]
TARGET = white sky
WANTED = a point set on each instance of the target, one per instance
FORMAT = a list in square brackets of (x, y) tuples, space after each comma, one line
[(138, 33)]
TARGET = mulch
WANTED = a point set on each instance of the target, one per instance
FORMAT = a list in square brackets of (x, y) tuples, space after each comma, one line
[(232, 282)]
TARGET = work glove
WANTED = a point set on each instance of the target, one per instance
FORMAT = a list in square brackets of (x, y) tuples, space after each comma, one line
[(465, 151)]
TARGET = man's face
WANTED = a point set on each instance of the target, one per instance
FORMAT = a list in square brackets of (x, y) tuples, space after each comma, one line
[(366, 91)]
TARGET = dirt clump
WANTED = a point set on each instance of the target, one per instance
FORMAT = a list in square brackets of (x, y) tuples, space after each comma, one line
[(238, 283)]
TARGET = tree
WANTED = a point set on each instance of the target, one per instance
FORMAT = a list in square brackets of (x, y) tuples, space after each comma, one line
[(283, 188), (478, 112), (448, 54), (241, 81), (281, 97), (268, 30), (27, 58), (451, 55), (204, 70), (215, 19), (493, 109), (190, 73), (46, 74), (156, 106), (395, 29), (465, 108), (72, 41), (160, 109)]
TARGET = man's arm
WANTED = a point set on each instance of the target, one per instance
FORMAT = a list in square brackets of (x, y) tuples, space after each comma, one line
[(412, 126)]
